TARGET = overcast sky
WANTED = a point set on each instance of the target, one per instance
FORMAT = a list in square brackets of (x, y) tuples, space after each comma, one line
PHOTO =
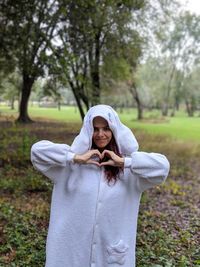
[(192, 5)]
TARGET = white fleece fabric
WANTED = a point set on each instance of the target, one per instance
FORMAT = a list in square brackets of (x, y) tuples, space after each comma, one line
[(93, 224)]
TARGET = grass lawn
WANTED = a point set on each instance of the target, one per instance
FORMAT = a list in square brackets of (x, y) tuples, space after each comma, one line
[(180, 127), (66, 114)]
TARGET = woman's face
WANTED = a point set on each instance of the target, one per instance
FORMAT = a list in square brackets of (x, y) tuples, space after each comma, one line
[(102, 133)]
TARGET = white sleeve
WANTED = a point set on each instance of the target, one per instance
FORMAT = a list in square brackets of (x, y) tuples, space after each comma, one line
[(151, 168), (49, 158)]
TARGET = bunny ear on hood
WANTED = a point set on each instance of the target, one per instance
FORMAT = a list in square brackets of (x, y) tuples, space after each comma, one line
[(124, 137)]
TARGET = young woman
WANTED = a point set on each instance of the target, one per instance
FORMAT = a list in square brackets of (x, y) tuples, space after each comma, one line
[(98, 182)]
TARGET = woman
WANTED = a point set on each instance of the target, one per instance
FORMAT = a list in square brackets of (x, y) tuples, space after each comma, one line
[(98, 182)]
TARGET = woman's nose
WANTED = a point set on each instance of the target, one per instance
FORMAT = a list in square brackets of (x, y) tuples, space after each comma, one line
[(100, 132)]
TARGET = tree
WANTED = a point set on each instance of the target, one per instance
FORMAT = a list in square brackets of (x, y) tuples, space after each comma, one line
[(28, 28), (191, 91), (182, 45), (88, 31), (120, 66), (156, 22), (143, 30)]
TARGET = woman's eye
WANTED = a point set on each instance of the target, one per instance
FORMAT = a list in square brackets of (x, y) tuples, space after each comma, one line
[(102, 129)]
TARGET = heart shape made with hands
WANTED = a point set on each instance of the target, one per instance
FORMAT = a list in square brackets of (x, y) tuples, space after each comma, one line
[(107, 157), (99, 160)]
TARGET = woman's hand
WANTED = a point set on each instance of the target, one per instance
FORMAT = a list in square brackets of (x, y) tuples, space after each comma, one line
[(114, 160), (88, 157)]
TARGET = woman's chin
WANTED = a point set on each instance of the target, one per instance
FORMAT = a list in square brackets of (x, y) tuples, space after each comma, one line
[(101, 147)]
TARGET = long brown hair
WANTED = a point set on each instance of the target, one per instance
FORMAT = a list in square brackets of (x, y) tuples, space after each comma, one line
[(112, 173)]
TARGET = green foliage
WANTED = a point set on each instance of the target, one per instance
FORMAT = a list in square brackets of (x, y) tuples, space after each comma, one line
[(19, 182), (15, 145), (161, 242), (24, 38), (10, 86), (116, 68), (24, 212), (23, 243)]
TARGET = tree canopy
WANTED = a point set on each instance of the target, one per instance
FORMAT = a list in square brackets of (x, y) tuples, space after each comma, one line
[(97, 46)]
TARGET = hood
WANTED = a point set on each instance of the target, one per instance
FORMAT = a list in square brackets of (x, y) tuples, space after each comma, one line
[(124, 137)]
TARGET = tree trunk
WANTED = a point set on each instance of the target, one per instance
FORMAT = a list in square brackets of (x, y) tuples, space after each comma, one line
[(135, 95), (189, 108), (175, 106), (59, 105), (25, 94), (12, 101), (94, 70), (78, 100), (96, 88), (85, 100), (173, 110), (177, 102), (166, 100), (80, 108), (165, 108)]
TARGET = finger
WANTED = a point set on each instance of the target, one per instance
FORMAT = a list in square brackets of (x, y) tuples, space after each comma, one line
[(96, 152), (109, 154), (92, 154), (106, 152)]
